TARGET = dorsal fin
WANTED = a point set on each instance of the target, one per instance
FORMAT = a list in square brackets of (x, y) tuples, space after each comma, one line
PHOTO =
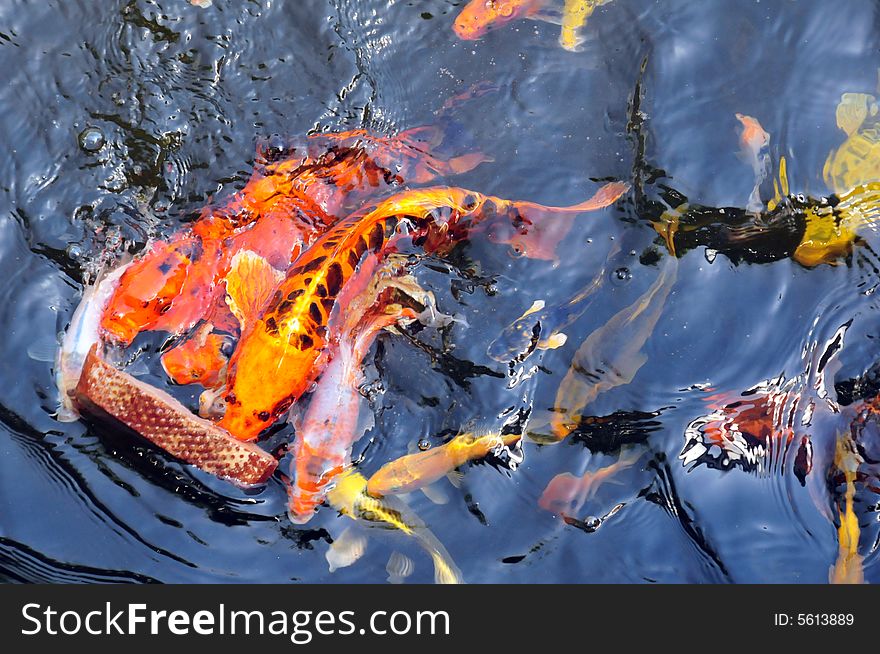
[(249, 285)]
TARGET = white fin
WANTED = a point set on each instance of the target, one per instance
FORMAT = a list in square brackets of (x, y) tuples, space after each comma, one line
[(347, 549), (537, 305), (553, 341), (399, 567), (436, 494), (455, 478)]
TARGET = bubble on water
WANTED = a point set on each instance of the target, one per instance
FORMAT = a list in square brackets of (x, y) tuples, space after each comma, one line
[(424, 444), (592, 523), (710, 255), (621, 276), (74, 251), (91, 139)]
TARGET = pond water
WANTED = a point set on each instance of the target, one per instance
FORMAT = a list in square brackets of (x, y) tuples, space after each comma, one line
[(122, 119)]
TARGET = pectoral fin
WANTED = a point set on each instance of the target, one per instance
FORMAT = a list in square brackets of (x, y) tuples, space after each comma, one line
[(553, 341)]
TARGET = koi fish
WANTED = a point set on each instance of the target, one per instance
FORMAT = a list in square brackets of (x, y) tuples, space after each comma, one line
[(857, 160), (284, 352), (350, 498), (745, 428), (754, 428), (611, 355), (540, 327), (566, 494), (754, 143), (328, 429), (479, 16), (287, 203), (848, 569), (420, 469), (540, 239), (81, 336), (574, 17)]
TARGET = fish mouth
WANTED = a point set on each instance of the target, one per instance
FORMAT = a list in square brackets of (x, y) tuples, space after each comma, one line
[(302, 505), (469, 30)]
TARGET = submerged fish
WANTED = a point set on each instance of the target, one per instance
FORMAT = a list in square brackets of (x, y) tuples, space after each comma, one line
[(328, 427), (540, 327), (566, 494), (611, 355), (574, 17), (754, 143), (857, 160), (849, 567), (350, 498), (753, 429)]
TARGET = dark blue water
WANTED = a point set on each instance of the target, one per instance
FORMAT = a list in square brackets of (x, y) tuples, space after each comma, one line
[(180, 95)]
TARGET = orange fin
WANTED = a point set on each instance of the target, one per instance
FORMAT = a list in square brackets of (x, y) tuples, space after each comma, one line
[(249, 285), (198, 360)]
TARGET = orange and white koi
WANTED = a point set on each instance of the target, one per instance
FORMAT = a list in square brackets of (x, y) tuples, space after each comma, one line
[(329, 425)]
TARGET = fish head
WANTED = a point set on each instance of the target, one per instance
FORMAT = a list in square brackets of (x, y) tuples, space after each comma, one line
[(480, 16), (518, 340)]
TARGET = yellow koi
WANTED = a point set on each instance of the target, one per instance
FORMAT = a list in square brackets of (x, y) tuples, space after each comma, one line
[(418, 470), (350, 498), (848, 568)]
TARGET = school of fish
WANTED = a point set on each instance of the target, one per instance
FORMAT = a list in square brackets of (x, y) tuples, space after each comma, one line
[(272, 301)]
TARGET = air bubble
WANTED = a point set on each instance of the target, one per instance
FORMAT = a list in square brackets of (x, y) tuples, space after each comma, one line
[(621, 276), (592, 523), (91, 139), (424, 444)]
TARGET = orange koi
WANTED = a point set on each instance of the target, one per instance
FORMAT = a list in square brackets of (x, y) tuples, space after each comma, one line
[(566, 494), (282, 209), (278, 359), (479, 16), (199, 360)]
